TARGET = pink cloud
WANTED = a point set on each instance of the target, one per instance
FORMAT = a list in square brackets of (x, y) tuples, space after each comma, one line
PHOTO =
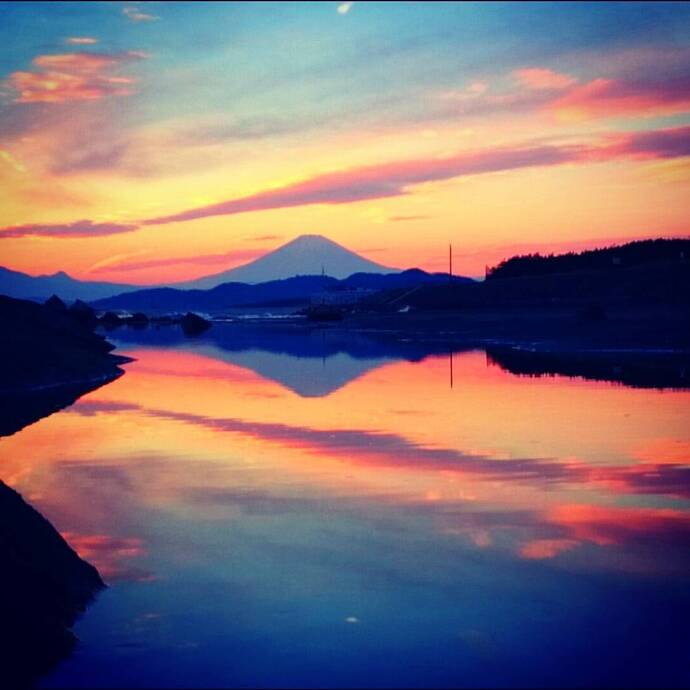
[(541, 78), (543, 90), (394, 179), (612, 98), (224, 259), (73, 77)]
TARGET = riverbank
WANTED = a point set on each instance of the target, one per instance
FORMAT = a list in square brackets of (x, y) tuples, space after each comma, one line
[(48, 359), (44, 586)]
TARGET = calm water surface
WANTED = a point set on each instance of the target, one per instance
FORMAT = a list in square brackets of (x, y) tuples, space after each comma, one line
[(315, 514)]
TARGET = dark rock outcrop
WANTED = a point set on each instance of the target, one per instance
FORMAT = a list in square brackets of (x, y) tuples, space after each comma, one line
[(44, 586), (83, 313), (193, 324), (55, 304), (47, 359), (110, 321)]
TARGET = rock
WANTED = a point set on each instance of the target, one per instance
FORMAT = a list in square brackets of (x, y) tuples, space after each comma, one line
[(109, 320), (44, 586), (42, 351), (193, 324), (83, 313), (138, 320), (54, 303), (324, 312)]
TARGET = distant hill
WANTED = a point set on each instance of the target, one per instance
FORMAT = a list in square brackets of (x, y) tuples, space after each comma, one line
[(306, 255), (606, 259), (647, 274), (40, 288), (292, 290)]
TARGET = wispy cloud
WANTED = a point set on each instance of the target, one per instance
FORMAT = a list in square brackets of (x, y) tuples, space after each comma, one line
[(73, 77), (345, 7), (614, 98), (400, 219), (81, 41), (394, 179), (223, 259), (79, 228), (539, 89), (10, 160), (135, 14), (541, 78)]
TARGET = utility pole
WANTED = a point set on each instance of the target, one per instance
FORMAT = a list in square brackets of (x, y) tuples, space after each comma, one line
[(450, 262)]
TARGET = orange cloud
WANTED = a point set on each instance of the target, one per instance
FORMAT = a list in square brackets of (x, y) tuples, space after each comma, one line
[(541, 78), (73, 77)]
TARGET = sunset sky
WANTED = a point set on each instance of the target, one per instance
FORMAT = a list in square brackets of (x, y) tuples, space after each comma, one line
[(156, 142)]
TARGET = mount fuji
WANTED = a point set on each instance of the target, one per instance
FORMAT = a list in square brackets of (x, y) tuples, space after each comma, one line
[(305, 255)]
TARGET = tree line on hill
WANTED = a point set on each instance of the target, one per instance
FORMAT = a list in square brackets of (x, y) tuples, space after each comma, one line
[(608, 258)]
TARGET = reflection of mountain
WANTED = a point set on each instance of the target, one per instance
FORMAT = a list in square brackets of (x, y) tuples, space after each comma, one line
[(310, 362), (314, 362)]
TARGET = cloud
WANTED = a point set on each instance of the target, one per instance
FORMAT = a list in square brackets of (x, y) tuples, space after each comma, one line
[(224, 259), (211, 133), (540, 89), (345, 7), (400, 219), (97, 155), (378, 448), (614, 98), (134, 14), (394, 179), (541, 78), (10, 160), (79, 228), (81, 41), (110, 555), (391, 180), (73, 77)]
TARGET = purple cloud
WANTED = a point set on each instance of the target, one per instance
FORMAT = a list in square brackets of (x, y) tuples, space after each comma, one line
[(78, 228)]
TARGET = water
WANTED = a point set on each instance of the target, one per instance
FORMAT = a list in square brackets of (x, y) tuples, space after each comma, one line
[(280, 508)]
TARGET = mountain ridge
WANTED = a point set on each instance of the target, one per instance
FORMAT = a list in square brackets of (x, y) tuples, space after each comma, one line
[(274, 292), (303, 255)]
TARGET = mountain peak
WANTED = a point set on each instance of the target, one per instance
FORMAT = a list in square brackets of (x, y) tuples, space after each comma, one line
[(311, 239), (303, 255)]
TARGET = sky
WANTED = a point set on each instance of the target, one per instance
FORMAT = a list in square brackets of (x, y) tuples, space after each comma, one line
[(157, 142)]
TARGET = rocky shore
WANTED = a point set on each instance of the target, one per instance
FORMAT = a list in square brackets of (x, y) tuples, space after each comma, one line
[(49, 356), (44, 586)]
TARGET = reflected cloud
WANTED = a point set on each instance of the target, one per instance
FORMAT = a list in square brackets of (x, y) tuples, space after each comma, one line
[(110, 555)]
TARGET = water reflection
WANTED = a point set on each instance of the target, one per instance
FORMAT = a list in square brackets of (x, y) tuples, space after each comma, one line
[(393, 531)]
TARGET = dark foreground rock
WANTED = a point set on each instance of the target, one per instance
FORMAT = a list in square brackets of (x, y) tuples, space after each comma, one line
[(44, 586), (48, 358), (193, 324)]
